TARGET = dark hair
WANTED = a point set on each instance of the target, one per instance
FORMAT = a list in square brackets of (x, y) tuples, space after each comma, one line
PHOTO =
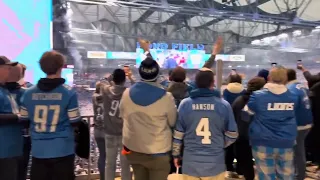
[(292, 75), (235, 78), (178, 74), (119, 76), (204, 79), (51, 62), (255, 84)]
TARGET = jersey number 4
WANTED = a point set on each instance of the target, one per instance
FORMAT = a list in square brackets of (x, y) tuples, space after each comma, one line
[(203, 130), (41, 117)]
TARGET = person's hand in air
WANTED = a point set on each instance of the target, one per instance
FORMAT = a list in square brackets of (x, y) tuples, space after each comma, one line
[(217, 47), (144, 44)]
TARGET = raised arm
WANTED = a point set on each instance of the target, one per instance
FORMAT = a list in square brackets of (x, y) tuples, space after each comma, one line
[(215, 50)]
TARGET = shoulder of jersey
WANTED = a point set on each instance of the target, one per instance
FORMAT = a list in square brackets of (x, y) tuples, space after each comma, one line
[(67, 87), (261, 91)]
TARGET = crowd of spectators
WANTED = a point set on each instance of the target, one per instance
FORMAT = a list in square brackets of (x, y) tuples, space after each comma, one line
[(161, 127), (268, 121)]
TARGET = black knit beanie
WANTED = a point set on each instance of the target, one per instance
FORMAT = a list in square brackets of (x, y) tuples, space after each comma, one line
[(149, 70)]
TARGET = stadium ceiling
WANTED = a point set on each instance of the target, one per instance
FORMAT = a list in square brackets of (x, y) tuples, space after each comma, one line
[(247, 18)]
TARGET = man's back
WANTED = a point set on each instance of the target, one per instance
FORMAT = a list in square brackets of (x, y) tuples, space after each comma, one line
[(51, 113), (205, 122), (274, 124), (111, 101)]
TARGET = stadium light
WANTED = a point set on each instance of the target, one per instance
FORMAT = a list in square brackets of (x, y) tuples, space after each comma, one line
[(296, 33), (256, 42), (283, 36)]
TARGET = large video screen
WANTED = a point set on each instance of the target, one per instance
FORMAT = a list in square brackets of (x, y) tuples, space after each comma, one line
[(169, 59), (67, 74), (25, 33)]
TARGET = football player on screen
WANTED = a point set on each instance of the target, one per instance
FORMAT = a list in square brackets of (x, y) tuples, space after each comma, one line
[(206, 126), (52, 109)]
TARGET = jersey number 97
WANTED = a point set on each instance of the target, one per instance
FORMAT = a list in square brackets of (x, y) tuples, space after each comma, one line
[(41, 118)]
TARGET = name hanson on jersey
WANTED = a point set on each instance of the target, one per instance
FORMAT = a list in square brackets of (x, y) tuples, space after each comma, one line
[(47, 96), (280, 106), (203, 107)]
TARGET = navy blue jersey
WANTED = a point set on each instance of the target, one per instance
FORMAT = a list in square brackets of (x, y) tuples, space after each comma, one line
[(51, 114), (205, 125), (10, 135)]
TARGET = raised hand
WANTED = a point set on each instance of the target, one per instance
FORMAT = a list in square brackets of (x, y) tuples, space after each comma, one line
[(217, 47), (144, 44)]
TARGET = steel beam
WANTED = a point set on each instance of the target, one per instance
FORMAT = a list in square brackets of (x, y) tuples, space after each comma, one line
[(209, 12)]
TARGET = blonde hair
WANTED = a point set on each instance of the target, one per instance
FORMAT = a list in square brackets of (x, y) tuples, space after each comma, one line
[(278, 75)]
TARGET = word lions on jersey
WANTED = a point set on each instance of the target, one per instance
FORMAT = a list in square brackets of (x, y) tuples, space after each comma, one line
[(274, 121), (51, 114)]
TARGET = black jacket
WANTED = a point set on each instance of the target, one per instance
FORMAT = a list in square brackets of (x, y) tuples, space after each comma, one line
[(82, 140), (242, 117), (313, 140)]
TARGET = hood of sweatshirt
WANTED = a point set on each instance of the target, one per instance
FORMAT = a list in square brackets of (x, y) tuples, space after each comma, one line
[(179, 90), (146, 93), (235, 88), (46, 85), (11, 86), (276, 88)]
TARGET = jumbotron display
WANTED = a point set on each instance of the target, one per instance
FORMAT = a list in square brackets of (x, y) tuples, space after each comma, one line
[(25, 33), (170, 58)]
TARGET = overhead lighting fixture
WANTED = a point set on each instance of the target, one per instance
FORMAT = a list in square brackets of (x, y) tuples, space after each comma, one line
[(256, 42), (296, 33), (283, 35)]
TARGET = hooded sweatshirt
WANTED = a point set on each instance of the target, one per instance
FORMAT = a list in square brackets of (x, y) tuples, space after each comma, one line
[(149, 114), (52, 109), (274, 122), (179, 90), (111, 96), (232, 91)]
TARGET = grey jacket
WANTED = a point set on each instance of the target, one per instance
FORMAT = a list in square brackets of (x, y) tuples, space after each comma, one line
[(111, 96), (98, 111)]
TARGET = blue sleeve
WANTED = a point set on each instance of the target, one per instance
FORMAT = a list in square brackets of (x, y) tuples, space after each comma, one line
[(24, 115), (304, 103), (231, 130), (179, 131), (166, 64), (73, 109), (252, 108)]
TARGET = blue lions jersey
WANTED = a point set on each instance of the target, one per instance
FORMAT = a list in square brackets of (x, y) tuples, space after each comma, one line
[(11, 141), (274, 121), (51, 114), (205, 125)]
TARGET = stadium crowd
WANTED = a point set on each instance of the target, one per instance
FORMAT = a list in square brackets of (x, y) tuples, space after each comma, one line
[(160, 127)]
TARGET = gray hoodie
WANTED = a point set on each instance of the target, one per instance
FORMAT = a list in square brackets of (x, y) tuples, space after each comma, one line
[(111, 96), (97, 111)]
